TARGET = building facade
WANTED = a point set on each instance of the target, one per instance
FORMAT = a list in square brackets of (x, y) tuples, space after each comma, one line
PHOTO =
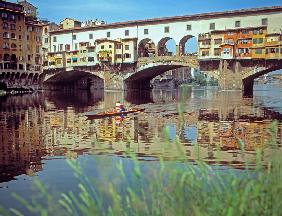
[(20, 44)]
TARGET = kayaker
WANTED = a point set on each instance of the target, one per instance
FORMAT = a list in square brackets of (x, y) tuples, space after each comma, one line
[(119, 107)]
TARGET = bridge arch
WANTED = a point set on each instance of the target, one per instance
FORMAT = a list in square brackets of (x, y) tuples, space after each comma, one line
[(73, 79), (152, 67), (146, 48), (163, 49), (188, 45)]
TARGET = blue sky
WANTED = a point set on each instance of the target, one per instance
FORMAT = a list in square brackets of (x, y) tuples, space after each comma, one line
[(123, 10)]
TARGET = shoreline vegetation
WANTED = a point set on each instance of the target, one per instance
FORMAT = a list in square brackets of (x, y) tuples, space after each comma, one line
[(168, 187), (2, 92)]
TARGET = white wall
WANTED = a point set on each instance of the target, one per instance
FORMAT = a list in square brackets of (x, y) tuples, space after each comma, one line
[(178, 29)]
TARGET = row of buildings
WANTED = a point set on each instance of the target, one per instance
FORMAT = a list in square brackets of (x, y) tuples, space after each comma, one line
[(21, 33), (30, 44), (241, 43)]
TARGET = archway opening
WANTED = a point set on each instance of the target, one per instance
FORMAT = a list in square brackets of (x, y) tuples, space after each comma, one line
[(167, 47), (146, 48), (188, 45)]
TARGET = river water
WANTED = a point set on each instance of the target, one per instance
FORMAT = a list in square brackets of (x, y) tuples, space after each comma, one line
[(39, 131)]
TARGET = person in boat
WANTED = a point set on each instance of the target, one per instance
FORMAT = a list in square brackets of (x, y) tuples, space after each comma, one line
[(119, 107)]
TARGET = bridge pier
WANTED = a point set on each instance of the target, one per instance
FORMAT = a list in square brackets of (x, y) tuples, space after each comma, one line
[(229, 76)]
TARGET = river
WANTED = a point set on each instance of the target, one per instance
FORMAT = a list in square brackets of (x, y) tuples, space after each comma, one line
[(39, 131)]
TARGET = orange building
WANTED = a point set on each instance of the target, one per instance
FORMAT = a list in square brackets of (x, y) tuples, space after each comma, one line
[(12, 33), (229, 43), (244, 43)]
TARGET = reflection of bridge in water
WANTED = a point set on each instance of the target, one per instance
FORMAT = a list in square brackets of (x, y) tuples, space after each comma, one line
[(28, 136)]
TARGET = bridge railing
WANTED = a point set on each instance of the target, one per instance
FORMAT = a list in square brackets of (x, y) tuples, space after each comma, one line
[(167, 59)]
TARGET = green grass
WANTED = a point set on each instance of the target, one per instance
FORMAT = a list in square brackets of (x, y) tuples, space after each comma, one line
[(167, 188)]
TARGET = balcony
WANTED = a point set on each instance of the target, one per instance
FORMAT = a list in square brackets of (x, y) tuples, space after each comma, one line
[(204, 37), (272, 43)]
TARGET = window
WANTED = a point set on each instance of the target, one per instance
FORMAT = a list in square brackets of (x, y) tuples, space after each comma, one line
[(146, 31), (237, 23), (126, 32), (6, 46), (255, 41), (5, 35), (67, 47), (218, 41), (260, 40), (264, 21), (244, 31), (61, 47), (166, 29), (90, 36), (75, 46), (108, 34), (5, 26), (226, 51), (110, 46), (126, 47), (54, 48), (91, 59), (46, 40), (276, 50), (205, 53), (29, 57), (20, 37), (91, 50), (127, 55), (4, 16), (13, 35), (118, 46), (118, 56), (217, 51), (74, 37), (12, 17), (258, 51), (54, 39), (212, 26), (102, 47), (188, 27)]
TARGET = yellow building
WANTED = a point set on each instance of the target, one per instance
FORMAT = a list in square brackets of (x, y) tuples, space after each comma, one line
[(57, 59), (272, 46), (217, 38), (106, 50), (258, 47), (69, 23), (72, 58)]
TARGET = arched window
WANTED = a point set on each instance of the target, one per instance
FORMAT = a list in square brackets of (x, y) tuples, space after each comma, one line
[(6, 46), (13, 35), (5, 25), (5, 35), (13, 46), (6, 57)]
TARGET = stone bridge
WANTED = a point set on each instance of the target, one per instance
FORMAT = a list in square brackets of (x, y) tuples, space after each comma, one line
[(119, 77), (231, 74)]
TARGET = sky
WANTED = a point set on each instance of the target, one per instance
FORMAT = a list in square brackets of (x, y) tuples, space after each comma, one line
[(124, 10)]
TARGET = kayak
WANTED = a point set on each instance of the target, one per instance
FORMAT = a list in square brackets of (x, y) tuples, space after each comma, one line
[(112, 113)]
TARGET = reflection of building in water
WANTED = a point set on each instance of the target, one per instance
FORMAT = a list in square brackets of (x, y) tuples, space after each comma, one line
[(67, 131), (114, 129), (20, 142)]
